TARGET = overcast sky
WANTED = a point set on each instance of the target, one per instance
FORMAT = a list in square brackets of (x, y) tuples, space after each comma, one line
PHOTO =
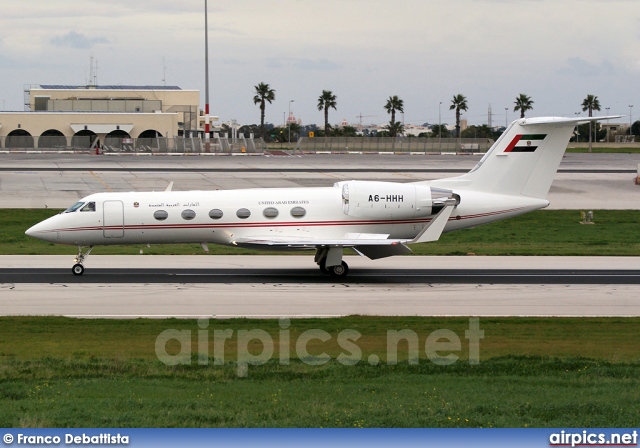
[(555, 51)]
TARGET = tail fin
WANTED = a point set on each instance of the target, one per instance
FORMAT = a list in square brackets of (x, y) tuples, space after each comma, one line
[(524, 160)]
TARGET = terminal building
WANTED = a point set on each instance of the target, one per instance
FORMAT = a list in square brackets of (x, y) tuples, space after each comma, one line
[(83, 117)]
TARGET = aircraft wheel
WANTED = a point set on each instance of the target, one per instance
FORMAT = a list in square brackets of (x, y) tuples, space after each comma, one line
[(323, 267), (77, 269), (339, 271)]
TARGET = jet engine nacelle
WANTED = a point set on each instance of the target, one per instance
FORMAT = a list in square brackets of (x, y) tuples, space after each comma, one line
[(368, 199)]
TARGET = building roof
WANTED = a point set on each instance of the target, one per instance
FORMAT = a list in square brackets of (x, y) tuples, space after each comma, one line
[(107, 87)]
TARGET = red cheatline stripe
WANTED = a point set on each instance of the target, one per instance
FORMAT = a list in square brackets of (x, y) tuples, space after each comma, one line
[(513, 143)]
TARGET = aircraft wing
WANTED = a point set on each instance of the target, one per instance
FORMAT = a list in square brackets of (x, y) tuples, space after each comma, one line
[(372, 248), (371, 245)]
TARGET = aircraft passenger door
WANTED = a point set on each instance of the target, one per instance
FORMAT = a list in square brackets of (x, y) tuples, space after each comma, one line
[(113, 219)]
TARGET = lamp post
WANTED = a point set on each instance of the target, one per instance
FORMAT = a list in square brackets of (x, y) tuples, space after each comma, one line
[(607, 109), (206, 77), (289, 123), (577, 133), (506, 117), (630, 107), (439, 128)]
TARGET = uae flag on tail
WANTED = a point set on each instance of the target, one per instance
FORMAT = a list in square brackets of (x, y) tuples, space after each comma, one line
[(525, 143)]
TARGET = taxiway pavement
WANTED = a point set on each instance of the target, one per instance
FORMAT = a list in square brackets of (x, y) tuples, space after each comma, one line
[(584, 181)]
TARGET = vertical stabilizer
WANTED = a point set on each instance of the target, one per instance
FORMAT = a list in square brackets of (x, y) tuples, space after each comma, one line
[(524, 160)]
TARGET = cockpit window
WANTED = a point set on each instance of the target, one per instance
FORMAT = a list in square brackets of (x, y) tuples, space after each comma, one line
[(90, 207), (74, 207)]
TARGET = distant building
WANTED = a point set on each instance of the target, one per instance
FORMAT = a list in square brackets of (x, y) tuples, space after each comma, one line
[(293, 120), (88, 115)]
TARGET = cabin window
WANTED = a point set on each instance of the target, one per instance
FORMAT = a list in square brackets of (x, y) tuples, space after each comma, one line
[(188, 214), (243, 213), (90, 207), (215, 214), (270, 212), (298, 212), (160, 215), (74, 207)]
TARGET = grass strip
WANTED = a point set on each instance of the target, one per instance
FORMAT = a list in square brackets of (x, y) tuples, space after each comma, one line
[(507, 391), (538, 372)]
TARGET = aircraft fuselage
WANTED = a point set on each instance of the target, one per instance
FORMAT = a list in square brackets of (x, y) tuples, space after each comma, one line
[(225, 216)]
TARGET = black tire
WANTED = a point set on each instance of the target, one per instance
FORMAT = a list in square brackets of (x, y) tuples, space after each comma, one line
[(323, 267), (339, 271), (77, 269)]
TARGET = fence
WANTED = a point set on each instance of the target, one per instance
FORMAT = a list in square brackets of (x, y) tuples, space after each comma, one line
[(160, 145), (392, 144)]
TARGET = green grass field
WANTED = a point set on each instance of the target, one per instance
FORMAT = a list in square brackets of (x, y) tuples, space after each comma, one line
[(532, 372), (545, 232)]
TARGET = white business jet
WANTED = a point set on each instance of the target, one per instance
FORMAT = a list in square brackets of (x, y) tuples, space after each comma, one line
[(375, 219)]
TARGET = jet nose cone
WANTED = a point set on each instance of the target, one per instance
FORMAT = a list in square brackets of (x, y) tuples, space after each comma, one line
[(30, 231), (37, 231)]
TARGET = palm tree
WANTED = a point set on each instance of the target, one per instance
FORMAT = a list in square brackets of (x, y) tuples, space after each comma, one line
[(590, 103), (459, 102), (325, 101), (395, 129), (263, 94), (523, 104), (394, 104)]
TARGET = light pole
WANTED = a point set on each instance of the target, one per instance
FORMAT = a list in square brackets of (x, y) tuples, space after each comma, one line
[(506, 117), (206, 77), (439, 128), (630, 107), (289, 123), (607, 109), (577, 133)]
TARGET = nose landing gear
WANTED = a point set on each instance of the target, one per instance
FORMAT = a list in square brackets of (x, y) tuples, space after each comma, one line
[(78, 268)]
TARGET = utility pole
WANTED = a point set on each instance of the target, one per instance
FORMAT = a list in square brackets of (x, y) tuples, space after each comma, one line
[(289, 123), (439, 127), (206, 78)]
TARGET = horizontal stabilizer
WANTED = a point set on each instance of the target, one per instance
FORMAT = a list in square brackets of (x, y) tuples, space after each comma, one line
[(562, 121)]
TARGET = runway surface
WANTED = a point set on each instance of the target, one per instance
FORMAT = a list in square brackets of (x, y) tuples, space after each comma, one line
[(275, 286), (293, 276)]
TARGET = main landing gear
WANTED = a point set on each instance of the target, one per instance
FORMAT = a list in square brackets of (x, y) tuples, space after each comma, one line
[(330, 262), (78, 268)]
